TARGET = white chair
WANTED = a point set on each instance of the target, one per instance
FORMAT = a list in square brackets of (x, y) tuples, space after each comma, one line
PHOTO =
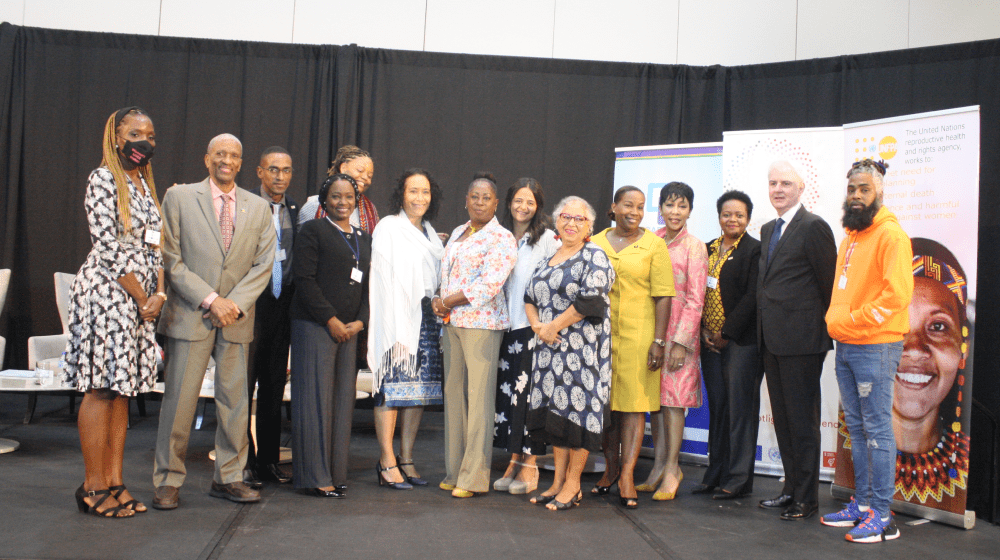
[(6, 445), (51, 346), (4, 284)]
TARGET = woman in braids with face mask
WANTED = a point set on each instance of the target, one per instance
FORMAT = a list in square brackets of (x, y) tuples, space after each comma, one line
[(114, 302)]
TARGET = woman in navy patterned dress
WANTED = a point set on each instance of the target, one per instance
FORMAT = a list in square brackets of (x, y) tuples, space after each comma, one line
[(567, 305), (111, 353)]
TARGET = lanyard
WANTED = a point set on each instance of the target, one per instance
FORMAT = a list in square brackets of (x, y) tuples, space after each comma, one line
[(357, 246), (849, 252), (722, 257)]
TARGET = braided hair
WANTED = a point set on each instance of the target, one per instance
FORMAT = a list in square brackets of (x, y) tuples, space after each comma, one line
[(112, 161), (344, 155)]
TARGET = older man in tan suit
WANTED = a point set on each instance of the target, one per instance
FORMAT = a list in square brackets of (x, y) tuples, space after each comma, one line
[(218, 246)]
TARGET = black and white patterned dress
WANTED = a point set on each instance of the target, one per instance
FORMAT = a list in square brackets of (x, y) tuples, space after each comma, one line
[(110, 347), (571, 380)]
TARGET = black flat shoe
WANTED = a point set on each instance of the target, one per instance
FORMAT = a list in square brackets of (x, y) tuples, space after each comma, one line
[(799, 511), (559, 506), (541, 499), (781, 501), (703, 489), (599, 490), (251, 480), (320, 493), (272, 473), (727, 495)]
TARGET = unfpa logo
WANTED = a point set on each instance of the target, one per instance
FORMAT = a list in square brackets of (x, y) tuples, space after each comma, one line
[(887, 147)]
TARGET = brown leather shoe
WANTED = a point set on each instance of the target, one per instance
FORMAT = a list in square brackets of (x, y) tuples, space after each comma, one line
[(234, 492), (166, 497)]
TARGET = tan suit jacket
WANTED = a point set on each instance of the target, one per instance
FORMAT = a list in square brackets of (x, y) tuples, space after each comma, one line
[(195, 263)]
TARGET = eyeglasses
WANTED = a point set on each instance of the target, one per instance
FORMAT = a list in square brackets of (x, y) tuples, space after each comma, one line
[(274, 170), (574, 219)]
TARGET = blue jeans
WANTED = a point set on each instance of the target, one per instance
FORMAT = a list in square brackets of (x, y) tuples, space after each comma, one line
[(866, 374)]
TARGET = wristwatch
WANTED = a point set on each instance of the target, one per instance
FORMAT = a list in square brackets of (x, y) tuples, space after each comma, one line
[(660, 341)]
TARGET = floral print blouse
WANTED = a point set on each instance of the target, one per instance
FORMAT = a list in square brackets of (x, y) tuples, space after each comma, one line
[(478, 266)]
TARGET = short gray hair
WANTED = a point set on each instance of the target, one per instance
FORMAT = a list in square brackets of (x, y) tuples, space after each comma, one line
[(794, 166), (591, 214), (223, 136)]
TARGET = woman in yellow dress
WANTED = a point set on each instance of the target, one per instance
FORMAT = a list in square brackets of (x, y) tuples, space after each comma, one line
[(640, 309)]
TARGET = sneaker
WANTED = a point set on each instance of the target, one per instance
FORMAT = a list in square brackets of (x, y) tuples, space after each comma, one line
[(850, 516), (873, 529)]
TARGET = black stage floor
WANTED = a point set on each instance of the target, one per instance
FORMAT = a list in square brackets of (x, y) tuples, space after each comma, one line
[(38, 517)]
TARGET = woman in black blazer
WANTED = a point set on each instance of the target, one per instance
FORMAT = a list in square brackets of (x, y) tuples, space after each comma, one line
[(329, 309), (730, 359)]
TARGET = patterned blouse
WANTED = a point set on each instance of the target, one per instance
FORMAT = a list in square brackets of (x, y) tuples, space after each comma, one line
[(714, 316), (478, 267)]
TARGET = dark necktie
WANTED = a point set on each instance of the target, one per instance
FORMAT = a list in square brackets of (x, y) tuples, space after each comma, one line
[(775, 236)]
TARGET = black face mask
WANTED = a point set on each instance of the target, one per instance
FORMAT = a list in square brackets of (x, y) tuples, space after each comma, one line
[(137, 154)]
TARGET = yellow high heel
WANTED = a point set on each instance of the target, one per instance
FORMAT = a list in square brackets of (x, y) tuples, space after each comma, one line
[(664, 496), (446, 487), (459, 493), (651, 487)]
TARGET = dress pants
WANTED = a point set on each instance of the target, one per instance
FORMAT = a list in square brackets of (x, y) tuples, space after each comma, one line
[(793, 385), (324, 388), (183, 373), (732, 379), (269, 371), (470, 378)]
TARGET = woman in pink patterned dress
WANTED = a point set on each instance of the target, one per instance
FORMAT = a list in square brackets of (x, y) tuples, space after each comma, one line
[(680, 378)]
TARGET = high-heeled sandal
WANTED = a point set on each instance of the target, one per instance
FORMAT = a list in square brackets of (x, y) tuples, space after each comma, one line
[(84, 507), (414, 480), (542, 499), (133, 504), (559, 506), (521, 487), (599, 490), (629, 503), (383, 481)]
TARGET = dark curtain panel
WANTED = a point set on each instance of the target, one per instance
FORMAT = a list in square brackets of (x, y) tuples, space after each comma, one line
[(555, 120)]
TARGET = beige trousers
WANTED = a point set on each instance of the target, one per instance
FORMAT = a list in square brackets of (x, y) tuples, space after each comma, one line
[(184, 370), (470, 379)]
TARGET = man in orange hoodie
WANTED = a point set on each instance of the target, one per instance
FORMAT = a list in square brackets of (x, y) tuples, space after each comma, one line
[(868, 318)]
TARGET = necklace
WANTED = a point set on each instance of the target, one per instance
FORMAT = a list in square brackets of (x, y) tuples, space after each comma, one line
[(942, 470)]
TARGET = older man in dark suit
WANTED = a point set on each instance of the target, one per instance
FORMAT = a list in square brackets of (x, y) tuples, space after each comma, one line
[(272, 330), (218, 247), (797, 263)]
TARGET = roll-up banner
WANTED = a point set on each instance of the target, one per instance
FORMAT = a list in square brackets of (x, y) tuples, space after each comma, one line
[(932, 186), (815, 152), (700, 166)]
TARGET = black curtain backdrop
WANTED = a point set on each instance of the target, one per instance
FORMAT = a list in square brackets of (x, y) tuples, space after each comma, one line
[(556, 120)]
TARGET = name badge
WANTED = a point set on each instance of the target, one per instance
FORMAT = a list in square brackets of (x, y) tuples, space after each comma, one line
[(843, 282), (712, 282), (357, 275), (152, 237), (279, 255)]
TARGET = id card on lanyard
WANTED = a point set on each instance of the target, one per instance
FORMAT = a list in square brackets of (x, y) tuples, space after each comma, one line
[(356, 274)]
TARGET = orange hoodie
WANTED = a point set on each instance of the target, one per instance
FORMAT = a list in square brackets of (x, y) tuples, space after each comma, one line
[(872, 307)]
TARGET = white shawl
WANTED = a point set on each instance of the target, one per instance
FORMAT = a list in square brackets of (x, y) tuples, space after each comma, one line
[(405, 266)]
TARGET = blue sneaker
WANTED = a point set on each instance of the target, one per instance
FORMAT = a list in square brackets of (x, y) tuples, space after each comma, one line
[(873, 529), (850, 516)]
